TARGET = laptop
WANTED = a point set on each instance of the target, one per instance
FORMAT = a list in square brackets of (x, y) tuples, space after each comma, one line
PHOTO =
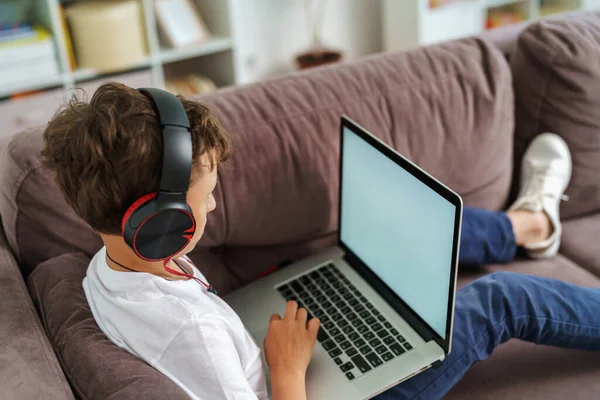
[(385, 294)]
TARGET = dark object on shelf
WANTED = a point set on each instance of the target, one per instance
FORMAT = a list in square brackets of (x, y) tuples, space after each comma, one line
[(317, 58)]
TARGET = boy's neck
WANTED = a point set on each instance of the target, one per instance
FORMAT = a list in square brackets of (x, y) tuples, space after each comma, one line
[(123, 256)]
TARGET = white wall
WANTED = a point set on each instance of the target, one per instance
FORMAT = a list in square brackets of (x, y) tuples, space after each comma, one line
[(270, 33)]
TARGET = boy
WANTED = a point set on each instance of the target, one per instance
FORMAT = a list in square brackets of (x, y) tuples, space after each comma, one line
[(106, 154)]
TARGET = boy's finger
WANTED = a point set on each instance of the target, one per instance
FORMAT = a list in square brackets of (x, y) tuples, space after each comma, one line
[(302, 316), (313, 328), (290, 310), (275, 317)]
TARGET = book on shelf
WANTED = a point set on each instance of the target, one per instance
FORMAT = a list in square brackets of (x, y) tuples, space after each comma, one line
[(20, 49), (27, 54)]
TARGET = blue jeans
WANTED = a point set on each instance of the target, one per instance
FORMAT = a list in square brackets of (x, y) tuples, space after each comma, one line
[(504, 305)]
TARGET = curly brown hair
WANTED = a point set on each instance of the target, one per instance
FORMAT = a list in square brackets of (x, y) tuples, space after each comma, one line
[(105, 154)]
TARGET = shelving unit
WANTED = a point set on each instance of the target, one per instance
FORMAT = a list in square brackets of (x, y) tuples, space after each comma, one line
[(213, 58), (409, 24), (214, 12)]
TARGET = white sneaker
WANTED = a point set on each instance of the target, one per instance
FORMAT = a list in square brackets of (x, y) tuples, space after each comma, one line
[(545, 174)]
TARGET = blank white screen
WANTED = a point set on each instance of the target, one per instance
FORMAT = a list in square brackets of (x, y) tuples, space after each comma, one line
[(400, 228)]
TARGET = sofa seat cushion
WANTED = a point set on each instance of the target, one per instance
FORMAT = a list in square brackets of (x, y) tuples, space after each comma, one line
[(521, 370), (556, 74), (95, 367), (580, 242)]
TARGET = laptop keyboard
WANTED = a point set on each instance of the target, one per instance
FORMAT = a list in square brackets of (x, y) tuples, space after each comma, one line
[(354, 333)]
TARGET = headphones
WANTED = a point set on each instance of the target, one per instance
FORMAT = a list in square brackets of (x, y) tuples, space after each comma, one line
[(159, 225)]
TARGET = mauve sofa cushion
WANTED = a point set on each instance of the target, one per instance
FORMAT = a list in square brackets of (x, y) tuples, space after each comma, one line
[(556, 71), (95, 367), (523, 371), (448, 107), (580, 242)]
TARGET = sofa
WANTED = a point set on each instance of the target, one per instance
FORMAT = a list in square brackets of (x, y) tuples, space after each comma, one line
[(462, 110)]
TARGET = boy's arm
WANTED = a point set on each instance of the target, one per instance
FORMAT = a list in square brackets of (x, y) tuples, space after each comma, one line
[(286, 386), (203, 359)]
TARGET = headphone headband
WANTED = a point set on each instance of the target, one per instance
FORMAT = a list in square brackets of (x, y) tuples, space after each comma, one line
[(177, 141)]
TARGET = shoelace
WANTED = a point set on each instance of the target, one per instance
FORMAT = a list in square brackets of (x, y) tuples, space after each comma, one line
[(544, 177)]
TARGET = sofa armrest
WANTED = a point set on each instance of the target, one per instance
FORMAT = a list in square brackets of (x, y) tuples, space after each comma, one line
[(29, 368)]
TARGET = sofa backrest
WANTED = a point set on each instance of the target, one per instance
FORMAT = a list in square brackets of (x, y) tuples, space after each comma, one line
[(556, 69), (447, 107)]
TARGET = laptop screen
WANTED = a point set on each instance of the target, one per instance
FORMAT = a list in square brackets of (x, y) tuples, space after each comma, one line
[(399, 227)]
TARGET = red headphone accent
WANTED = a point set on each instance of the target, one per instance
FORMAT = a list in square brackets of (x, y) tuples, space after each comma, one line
[(135, 206)]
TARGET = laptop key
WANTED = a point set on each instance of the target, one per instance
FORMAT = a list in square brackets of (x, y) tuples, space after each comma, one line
[(328, 325), (387, 325), (370, 320), (305, 280), (387, 356), (335, 298), (381, 318), (348, 296), (376, 326), (382, 333), (339, 338), (338, 361), (352, 287), (351, 316), (353, 336), (359, 308), (283, 288), (343, 323), (374, 342), (369, 305), (347, 367), (322, 336), (345, 309), (353, 302), (362, 329), (357, 322), (394, 332), (335, 352), (319, 313), (360, 363), (365, 349), (400, 338), (324, 319), (349, 375), (336, 316), (397, 349), (374, 311), (351, 351), (334, 332), (380, 349), (407, 346), (345, 345), (389, 340), (328, 344), (374, 360), (359, 342), (362, 298), (348, 330), (321, 299), (314, 275), (329, 292), (340, 304), (296, 286), (369, 335), (365, 314)]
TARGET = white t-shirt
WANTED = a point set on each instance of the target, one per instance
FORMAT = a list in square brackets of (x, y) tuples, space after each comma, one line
[(178, 327)]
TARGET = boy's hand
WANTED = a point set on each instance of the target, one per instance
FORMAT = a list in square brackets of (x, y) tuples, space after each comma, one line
[(290, 341)]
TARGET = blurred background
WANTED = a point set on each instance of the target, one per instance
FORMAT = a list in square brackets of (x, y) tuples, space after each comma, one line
[(50, 49)]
